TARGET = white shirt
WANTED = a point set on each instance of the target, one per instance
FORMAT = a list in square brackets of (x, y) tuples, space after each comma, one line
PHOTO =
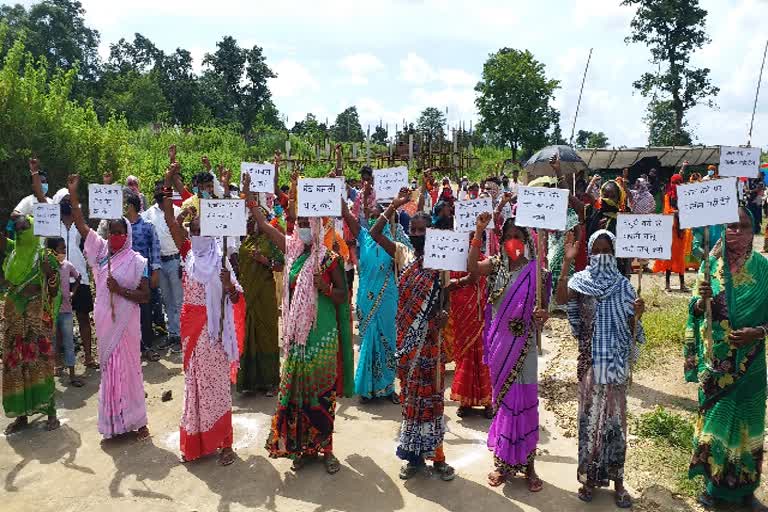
[(74, 255), (27, 205), (155, 216)]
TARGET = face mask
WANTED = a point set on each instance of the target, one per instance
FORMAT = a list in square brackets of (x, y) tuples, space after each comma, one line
[(116, 242), (603, 261), (44, 187), (417, 241), (206, 195), (159, 197), (473, 195), (305, 234), (65, 208), (196, 190), (710, 173), (278, 210), (443, 223), (60, 257), (371, 222), (514, 248)]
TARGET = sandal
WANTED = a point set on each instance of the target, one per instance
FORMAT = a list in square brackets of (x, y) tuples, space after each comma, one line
[(151, 356), (409, 470), (488, 413), (142, 434), (534, 483), (706, 501), (394, 398), (585, 494), (332, 464), (226, 457), (52, 424), (463, 411), (76, 382), (444, 471), (497, 478), (623, 499), (17, 425), (298, 464)]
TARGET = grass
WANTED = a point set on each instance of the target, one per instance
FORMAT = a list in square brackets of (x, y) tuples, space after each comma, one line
[(664, 450), (664, 322)]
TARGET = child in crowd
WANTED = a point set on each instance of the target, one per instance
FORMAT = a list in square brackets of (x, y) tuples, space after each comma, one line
[(70, 280)]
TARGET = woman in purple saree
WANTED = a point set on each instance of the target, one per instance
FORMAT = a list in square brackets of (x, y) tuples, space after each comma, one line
[(511, 322)]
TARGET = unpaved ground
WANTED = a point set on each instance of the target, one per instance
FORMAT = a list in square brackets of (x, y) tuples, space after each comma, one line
[(70, 469)]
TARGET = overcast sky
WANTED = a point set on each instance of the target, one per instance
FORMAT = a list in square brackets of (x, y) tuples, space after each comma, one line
[(394, 58)]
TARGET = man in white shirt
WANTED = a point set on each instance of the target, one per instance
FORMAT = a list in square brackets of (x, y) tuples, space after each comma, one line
[(26, 206), (170, 269)]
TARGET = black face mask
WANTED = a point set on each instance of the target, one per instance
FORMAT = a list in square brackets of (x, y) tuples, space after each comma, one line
[(65, 208), (443, 223), (159, 198), (417, 241)]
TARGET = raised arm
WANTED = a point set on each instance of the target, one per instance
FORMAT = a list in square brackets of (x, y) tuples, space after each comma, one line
[(352, 223), (37, 185), (77, 213), (277, 175), (562, 293), (377, 231), (274, 234), (423, 191), (474, 266)]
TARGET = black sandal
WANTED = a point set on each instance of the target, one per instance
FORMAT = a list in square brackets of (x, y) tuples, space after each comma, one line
[(394, 398), (298, 464), (332, 464), (409, 470), (444, 471), (585, 494), (623, 499), (17, 425)]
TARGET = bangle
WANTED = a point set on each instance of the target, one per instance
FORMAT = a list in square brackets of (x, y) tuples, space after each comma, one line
[(34, 173), (476, 242)]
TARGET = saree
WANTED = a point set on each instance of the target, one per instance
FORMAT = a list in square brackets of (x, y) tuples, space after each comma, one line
[(682, 241), (376, 310), (510, 351), (306, 402), (471, 385), (206, 423), (260, 358), (420, 364), (122, 407), (28, 355), (729, 430)]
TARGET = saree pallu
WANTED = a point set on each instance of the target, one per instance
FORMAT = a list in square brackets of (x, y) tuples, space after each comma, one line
[(206, 424), (28, 361), (260, 356), (376, 311), (510, 351), (420, 364), (306, 401), (729, 431), (471, 380)]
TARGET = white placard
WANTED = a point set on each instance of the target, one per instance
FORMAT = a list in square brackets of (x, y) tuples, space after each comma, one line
[(708, 203), (542, 208), (262, 176), (47, 220), (222, 217), (739, 162), (320, 197), (446, 250), (105, 201), (646, 237), (467, 212), (388, 182)]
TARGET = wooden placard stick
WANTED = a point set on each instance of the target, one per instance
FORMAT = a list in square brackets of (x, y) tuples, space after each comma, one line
[(707, 302), (538, 285), (109, 273)]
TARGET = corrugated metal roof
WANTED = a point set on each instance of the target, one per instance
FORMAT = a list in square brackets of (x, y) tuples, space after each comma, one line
[(671, 156)]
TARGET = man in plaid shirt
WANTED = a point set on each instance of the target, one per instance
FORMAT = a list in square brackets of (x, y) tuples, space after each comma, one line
[(146, 243)]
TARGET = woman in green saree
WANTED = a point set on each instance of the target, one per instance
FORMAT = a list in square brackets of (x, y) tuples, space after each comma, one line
[(260, 358), (729, 432), (32, 300)]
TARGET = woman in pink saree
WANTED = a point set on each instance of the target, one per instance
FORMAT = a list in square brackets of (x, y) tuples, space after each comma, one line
[(122, 283)]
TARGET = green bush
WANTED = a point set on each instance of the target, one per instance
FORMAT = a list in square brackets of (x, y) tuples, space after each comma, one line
[(665, 426)]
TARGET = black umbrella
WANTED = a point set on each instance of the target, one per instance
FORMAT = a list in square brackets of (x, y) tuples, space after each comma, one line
[(570, 161)]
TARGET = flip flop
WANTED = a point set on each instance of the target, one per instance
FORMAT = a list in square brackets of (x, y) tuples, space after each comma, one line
[(585, 494), (534, 484), (226, 458), (496, 479), (142, 434), (623, 499)]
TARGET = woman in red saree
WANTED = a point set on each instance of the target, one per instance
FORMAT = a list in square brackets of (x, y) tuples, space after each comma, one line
[(471, 381)]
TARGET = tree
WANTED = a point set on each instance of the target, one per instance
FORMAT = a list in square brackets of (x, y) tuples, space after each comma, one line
[(588, 139), (513, 99), (662, 130), (347, 127), (379, 135), (431, 123), (556, 137), (673, 30)]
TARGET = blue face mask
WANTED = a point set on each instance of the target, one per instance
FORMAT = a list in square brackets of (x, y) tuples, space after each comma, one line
[(710, 173), (44, 187), (206, 195), (195, 190)]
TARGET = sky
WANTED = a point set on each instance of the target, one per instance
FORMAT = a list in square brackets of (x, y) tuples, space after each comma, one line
[(393, 58)]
